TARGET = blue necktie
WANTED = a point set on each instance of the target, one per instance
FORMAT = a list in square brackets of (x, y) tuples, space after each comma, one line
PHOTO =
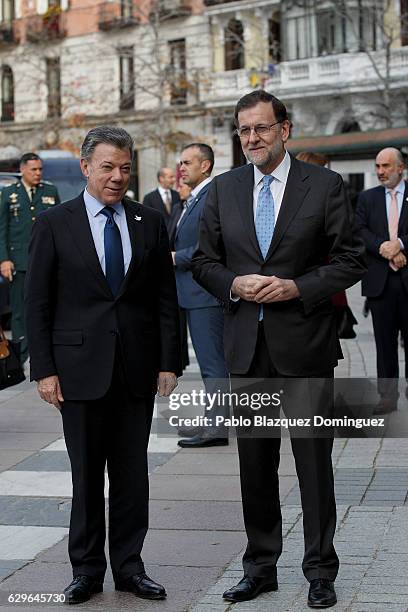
[(265, 220), (114, 264)]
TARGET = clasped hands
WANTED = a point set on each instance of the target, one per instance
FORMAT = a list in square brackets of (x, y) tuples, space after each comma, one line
[(264, 289), (391, 250), (49, 388)]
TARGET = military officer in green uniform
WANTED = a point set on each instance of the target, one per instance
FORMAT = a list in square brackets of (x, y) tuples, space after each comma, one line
[(20, 204)]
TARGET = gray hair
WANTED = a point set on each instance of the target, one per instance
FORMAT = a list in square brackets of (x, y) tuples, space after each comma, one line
[(106, 134)]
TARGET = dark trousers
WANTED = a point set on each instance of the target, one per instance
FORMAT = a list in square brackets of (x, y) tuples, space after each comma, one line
[(259, 463), (18, 330), (390, 316), (112, 431), (206, 327)]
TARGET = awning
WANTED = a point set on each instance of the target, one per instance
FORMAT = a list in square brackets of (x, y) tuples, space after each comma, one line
[(352, 144)]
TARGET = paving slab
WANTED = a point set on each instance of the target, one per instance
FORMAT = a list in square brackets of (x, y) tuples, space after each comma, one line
[(205, 515)]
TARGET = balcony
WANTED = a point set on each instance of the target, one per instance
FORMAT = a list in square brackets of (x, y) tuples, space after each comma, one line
[(7, 35), (215, 2), (114, 16), (171, 9), (47, 27), (311, 77)]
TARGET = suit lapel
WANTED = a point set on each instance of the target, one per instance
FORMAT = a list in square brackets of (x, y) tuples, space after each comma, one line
[(382, 209), (135, 223), (78, 223), (404, 210), (295, 192), (244, 197), (193, 204)]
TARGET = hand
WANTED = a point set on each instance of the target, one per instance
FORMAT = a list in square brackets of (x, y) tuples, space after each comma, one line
[(390, 248), (399, 260), (166, 383), (173, 256), (50, 390), (278, 290), (6, 269), (247, 286)]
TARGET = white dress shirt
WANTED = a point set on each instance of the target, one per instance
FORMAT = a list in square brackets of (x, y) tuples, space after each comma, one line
[(97, 223), (163, 193)]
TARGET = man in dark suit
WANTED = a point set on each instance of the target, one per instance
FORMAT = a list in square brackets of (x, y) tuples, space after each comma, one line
[(267, 232), (382, 218), (203, 312), (164, 197), (102, 326)]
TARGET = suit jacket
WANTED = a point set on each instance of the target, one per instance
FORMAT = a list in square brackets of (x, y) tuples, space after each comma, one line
[(372, 222), (172, 224), (314, 222), (190, 294), (75, 324), (154, 200)]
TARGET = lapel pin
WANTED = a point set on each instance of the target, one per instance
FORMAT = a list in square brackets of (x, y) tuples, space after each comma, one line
[(138, 218)]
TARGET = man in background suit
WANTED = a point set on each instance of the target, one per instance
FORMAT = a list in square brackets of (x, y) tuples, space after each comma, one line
[(164, 197), (20, 204), (382, 218), (268, 231), (203, 312), (102, 325)]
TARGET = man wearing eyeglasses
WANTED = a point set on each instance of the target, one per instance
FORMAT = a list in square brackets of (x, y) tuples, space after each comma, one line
[(267, 232)]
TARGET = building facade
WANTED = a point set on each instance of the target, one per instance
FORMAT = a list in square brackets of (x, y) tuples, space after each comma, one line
[(170, 71)]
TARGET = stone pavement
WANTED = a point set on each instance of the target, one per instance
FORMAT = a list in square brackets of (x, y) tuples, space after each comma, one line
[(196, 536)]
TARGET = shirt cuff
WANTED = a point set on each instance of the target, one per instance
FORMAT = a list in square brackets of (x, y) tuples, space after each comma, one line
[(402, 244), (236, 298)]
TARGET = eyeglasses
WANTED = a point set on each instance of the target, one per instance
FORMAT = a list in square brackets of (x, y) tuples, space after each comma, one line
[(261, 130)]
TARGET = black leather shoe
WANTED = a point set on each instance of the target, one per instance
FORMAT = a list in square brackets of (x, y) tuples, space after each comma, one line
[(249, 588), (142, 586), (321, 594), (199, 442), (81, 589)]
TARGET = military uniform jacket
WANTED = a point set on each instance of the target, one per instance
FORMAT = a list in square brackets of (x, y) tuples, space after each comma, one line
[(17, 215)]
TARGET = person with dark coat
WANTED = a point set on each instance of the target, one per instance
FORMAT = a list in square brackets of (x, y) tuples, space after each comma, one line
[(102, 323), (164, 198), (382, 218), (276, 242)]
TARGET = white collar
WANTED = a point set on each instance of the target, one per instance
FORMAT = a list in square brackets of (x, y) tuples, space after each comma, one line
[(400, 188), (280, 173), (200, 186)]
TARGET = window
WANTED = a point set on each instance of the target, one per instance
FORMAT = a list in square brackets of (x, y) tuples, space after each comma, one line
[(126, 9), (127, 79), (298, 38), (7, 94), (178, 79), (7, 11), (274, 40), (331, 33), (234, 45), (404, 22), (54, 87)]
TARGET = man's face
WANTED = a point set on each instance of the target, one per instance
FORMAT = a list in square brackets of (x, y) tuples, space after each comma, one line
[(108, 173), (193, 169), (31, 172), (265, 152), (389, 169), (167, 178)]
